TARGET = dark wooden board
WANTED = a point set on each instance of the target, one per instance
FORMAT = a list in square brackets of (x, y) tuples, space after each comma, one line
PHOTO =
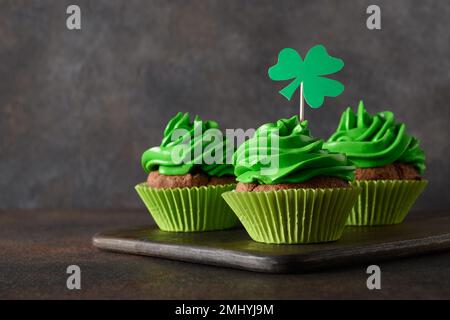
[(235, 249)]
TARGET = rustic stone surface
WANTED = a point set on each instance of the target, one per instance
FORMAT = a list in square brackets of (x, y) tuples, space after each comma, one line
[(37, 247), (235, 249)]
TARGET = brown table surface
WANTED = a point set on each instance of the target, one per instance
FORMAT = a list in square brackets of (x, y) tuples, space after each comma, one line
[(36, 248)]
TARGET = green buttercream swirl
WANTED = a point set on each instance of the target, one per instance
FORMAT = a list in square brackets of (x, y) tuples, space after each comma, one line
[(374, 141), (300, 156), (191, 143)]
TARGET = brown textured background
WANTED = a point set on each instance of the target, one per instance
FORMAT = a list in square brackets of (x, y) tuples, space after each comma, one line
[(77, 108)]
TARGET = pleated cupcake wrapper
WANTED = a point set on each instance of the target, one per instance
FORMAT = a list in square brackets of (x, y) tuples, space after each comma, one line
[(294, 215), (384, 202), (189, 209)]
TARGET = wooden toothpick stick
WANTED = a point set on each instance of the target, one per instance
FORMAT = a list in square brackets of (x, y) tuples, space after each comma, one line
[(302, 104)]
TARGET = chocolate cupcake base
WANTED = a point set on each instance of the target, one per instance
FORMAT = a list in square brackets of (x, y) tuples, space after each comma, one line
[(161, 181), (395, 171), (315, 183)]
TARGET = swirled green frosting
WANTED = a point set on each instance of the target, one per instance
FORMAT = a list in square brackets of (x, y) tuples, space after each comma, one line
[(374, 141), (300, 157), (186, 146)]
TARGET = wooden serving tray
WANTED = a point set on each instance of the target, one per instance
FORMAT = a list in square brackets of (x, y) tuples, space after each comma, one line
[(235, 249)]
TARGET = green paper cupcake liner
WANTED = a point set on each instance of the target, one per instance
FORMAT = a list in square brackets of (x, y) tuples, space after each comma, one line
[(384, 202), (295, 215), (189, 209)]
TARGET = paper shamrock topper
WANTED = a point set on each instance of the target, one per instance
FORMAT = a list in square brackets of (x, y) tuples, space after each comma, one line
[(308, 75)]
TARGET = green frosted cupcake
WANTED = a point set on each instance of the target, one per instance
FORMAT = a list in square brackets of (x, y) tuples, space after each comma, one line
[(187, 175), (389, 165), (290, 190)]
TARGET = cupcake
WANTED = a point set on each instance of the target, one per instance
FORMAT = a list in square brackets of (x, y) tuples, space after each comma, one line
[(389, 164), (187, 175), (289, 189)]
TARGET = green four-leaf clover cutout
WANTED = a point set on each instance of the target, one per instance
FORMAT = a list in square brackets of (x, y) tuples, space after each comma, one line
[(310, 71)]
